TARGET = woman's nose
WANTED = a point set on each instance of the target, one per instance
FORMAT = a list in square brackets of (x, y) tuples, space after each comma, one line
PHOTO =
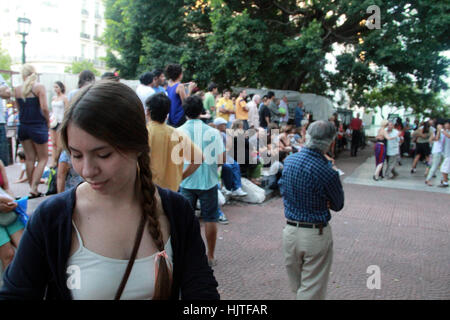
[(90, 168)]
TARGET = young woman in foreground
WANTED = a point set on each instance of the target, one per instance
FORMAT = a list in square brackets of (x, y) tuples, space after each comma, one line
[(77, 244)]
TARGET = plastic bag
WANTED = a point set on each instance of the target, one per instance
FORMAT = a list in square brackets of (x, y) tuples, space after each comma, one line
[(255, 194), (21, 209), (221, 197)]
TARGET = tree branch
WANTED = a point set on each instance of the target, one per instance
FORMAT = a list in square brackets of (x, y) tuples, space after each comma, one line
[(290, 12)]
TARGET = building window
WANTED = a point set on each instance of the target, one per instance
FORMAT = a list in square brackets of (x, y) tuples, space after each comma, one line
[(84, 9), (83, 49)]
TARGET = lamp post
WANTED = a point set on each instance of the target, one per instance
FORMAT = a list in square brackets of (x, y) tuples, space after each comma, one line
[(24, 28)]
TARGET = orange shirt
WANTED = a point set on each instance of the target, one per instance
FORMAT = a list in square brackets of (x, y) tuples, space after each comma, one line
[(240, 112)]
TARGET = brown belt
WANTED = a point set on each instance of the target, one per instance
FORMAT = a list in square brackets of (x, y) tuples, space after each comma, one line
[(300, 224)]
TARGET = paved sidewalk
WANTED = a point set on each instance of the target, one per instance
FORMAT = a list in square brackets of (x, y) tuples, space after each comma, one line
[(406, 233), (364, 175)]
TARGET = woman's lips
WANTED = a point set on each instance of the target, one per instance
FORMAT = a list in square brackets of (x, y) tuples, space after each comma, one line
[(97, 185)]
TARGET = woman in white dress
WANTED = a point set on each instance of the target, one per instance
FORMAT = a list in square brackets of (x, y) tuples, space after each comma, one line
[(59, 104)]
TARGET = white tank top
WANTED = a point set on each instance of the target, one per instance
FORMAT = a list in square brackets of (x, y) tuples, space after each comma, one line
[(58, 110), (95, 277)]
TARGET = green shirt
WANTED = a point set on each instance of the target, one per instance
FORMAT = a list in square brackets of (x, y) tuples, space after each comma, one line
[(209, 102)]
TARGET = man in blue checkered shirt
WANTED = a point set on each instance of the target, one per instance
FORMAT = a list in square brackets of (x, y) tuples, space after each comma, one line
[(310, 188)]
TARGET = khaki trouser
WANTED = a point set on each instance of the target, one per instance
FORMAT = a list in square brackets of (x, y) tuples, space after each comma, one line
[(390, 167), (308, 257)]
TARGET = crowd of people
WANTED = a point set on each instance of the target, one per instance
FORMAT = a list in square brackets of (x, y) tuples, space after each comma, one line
[(432, 147), (142, 161), (200, 145)]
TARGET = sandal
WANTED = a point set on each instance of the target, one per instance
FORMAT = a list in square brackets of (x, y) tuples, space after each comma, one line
[(34, 195)]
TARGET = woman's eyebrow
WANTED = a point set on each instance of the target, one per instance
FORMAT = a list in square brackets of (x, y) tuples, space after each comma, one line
[(92, 150)]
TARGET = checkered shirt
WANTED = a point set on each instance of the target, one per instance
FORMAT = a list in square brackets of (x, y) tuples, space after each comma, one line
[(308, 182)]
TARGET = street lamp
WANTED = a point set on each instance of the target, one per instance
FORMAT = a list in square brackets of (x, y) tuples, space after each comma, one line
[(24, 29)]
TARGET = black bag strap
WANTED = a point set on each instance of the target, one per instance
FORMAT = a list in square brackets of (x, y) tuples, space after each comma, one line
[(137, 242)]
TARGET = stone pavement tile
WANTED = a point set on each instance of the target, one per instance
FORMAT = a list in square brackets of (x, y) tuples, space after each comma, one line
[(248, 250)]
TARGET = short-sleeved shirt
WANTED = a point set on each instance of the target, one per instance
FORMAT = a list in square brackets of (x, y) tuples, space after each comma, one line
[(392, 145), (274, 113), (241, 114), (228, 104), (168, 147), (72, 94), (144, 92), (209, 102), (72, 178), (298, 116), (160, 89), (210, 142), (253, 115), (263, 113), (356, 124)]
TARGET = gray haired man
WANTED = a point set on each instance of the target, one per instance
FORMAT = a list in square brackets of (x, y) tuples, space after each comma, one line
[(310, 188)]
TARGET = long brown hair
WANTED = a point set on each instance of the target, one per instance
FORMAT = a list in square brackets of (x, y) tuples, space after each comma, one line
[(112, 112)]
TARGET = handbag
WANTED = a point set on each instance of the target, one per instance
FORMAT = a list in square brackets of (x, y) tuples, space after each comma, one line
[(7, 218), (53, 121)]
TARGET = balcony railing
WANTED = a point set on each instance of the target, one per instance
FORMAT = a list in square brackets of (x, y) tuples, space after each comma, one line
[(85, 35)]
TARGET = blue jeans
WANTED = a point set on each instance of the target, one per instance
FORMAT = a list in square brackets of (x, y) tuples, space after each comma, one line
[(209, 202), (231, 176)]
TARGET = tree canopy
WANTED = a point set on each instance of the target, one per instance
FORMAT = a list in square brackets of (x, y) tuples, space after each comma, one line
[(283, 44), (77, 66), (5, 62)]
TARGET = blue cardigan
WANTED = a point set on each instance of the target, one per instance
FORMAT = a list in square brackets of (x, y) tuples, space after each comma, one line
[(38, 270)]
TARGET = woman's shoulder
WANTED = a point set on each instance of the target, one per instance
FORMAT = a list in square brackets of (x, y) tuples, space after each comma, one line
[(174, 204), (18, 91), (173, 197), (38, 87), (56, 208)]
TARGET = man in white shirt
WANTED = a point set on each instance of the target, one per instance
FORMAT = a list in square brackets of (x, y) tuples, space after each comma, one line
[(392, 151), (145, 88), (253, 114)]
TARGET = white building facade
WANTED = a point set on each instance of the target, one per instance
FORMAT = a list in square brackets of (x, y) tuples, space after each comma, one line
[(61, 32)]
